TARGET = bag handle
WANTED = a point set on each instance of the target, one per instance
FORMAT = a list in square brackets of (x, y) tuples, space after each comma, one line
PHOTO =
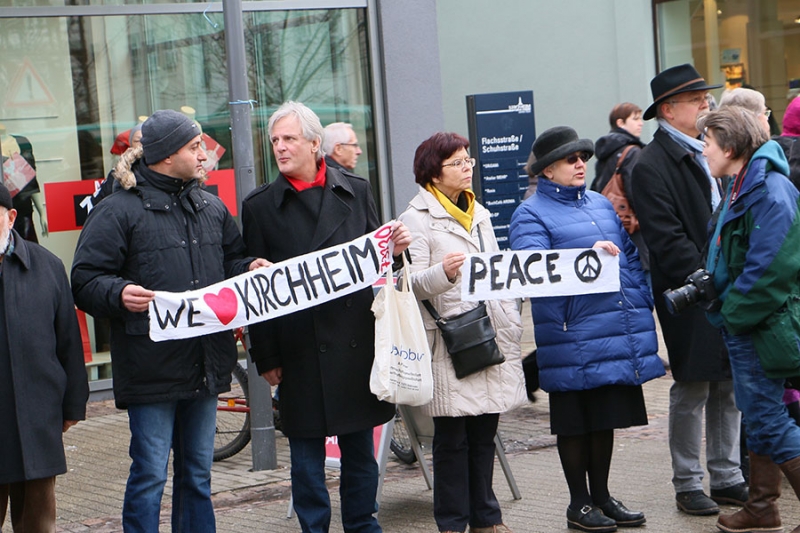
[(428, 304), (406, 283)]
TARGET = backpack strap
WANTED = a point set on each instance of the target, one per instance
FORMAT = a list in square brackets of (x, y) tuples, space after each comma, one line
[(622, 157)]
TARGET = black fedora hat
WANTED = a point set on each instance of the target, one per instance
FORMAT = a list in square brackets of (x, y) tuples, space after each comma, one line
[(554, 144), (675, 80)]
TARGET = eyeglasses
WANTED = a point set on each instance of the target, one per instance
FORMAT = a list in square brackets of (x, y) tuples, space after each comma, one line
[(572, 159), (354, 145), (461, 163), (768, 112), (697, 101)]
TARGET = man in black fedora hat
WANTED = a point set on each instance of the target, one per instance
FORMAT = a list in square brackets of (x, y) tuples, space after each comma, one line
[(674, 196)]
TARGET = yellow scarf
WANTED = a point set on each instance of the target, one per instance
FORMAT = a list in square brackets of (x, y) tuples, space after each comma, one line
[(462, 217)]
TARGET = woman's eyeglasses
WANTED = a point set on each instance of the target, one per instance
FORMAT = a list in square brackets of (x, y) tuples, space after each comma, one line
[(461, 163), (572, 159)]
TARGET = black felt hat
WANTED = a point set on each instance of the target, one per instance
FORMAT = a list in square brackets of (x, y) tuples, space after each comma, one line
[(675, 80), (554, 144), (5, 197)]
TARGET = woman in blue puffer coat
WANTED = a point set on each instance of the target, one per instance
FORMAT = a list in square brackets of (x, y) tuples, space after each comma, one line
[(595, 350)]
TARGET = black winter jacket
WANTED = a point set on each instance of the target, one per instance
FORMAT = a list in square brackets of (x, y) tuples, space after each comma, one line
[(168, 235), (791, 147)]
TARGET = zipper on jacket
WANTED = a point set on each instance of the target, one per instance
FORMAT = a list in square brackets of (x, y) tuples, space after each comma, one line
[(565, 326)]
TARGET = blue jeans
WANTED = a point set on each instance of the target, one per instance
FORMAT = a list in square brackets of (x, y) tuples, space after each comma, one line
[(358, 487), (770, 430), (186, 426)]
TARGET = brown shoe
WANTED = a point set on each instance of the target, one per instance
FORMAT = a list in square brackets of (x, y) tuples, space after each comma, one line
[(760, 512), (498, 528)]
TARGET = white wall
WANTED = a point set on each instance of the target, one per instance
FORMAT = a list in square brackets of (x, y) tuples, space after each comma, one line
[(580, 58)]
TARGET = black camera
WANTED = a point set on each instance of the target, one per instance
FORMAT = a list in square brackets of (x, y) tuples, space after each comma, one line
[(699, 289)]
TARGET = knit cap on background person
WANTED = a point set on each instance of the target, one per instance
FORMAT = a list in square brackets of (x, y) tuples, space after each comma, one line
[(791, 119), (164, 133)]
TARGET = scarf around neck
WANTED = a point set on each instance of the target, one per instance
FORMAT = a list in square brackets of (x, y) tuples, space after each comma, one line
[(695, 147), (462, 216)]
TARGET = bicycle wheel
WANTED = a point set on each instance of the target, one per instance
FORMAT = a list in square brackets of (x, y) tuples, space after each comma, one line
[(233, 417), (401, 443)]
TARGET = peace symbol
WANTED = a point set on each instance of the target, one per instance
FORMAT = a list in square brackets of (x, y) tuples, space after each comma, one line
[(588, 266)]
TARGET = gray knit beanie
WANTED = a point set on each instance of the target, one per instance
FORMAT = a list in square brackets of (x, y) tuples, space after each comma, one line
[(164, 133)]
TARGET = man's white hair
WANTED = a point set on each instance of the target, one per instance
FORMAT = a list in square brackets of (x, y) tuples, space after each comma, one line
[(309, 122), (335, 133)]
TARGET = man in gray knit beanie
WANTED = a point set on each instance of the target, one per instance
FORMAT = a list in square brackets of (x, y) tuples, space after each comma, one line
[(164, 133), (162, 231)]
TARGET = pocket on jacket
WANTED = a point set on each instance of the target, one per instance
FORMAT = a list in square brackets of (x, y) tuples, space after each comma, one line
[(777, 341)]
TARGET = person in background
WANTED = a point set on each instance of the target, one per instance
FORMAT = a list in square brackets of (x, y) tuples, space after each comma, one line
[(790, 139), (110, 185), (446, 222), (162, 232), (340, 144), (321, 357), (675, 196), (43, 382), (755, 275), (594, 350), (626, 128), (751, 100)]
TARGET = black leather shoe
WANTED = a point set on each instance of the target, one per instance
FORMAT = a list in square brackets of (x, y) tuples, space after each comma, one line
[(614, 510), (735, 495), (590, 519), (695, 502)]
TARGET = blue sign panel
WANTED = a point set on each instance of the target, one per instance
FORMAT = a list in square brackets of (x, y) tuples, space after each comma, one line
[(501, 132)]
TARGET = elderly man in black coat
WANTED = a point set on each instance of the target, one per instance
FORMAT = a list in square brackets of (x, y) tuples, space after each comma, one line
[(322, 356), (675, 196), (43, 385)]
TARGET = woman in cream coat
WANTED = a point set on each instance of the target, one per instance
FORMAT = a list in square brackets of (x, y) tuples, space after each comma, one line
[(445, 221)]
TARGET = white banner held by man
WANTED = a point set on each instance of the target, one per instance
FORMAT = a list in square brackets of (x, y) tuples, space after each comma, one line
[(278, 290), (538, 273)]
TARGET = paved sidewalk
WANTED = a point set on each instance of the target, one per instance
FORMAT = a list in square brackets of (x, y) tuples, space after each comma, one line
[(90, 494)]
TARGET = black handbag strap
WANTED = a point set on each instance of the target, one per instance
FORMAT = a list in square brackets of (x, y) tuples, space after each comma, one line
[(429, 306)]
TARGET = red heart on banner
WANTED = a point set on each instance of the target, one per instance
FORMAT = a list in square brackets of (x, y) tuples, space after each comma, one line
[(223, 304)]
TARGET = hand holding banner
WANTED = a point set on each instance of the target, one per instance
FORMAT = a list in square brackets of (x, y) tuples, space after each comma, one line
[(538, 273), (283, 288)]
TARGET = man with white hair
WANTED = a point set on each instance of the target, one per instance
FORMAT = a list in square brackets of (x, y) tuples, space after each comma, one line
[(340, 144), (321, 356)]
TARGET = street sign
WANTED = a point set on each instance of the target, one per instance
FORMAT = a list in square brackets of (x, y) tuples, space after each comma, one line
[(501, 131)]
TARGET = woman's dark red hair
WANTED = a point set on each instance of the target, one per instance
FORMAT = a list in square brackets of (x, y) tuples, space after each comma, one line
[(432, 152)]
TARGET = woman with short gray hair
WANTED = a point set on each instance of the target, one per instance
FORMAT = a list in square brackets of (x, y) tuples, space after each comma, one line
[(752, 255)]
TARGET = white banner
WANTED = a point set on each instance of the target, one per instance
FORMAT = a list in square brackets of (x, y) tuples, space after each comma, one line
[(538, 273), (278, 290)]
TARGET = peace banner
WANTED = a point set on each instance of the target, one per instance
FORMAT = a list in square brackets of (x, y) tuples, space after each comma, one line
[(278, 290), (538, 273)]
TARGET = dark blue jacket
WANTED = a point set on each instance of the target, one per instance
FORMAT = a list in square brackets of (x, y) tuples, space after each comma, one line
[(587, 341)]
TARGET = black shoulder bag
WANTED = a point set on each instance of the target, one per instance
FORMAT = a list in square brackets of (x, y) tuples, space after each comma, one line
[(470, 337)]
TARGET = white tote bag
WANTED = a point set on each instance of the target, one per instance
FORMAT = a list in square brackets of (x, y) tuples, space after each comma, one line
[(401, 371)]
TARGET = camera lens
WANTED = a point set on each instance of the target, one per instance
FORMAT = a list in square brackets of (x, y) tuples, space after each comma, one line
[(681, 298)]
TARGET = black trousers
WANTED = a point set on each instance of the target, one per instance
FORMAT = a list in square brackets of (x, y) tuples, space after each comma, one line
[(463, 467)]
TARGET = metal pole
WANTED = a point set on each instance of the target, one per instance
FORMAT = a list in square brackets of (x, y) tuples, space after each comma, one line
[(262, 428)]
